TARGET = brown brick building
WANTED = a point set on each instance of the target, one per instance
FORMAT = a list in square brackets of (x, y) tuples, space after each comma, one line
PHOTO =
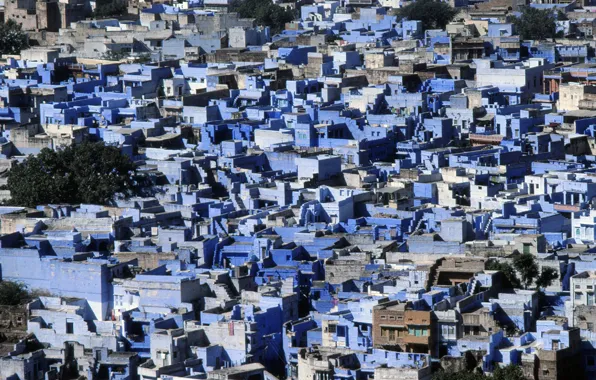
[(49, 15), (13, 326), (397, 327)]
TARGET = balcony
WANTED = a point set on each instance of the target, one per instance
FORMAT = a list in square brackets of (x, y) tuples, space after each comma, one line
[(412, 339), (471, 319)]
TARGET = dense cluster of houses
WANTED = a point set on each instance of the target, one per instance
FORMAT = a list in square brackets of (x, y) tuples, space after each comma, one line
[(330, 201)]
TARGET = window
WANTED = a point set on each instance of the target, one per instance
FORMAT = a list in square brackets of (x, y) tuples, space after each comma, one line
[(578, 296), (576, 286), (391, 334), (69, 326), (415, 331)]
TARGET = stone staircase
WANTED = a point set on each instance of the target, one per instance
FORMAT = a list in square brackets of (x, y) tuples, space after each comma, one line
[(239, 203), (473, 286)]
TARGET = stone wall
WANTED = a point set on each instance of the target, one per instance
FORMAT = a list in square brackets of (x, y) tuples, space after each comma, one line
[(13, 326)]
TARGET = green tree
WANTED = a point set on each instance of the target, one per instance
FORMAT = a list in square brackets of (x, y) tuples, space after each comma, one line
[(109, 8), (12, 37), (546, 277), (510, 372), (85, 173), (13, 293), (507, 270), (432, 13), (264, 12), (536, 24), (112, 55), (561, 16), (143, 58), (526, 266)]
